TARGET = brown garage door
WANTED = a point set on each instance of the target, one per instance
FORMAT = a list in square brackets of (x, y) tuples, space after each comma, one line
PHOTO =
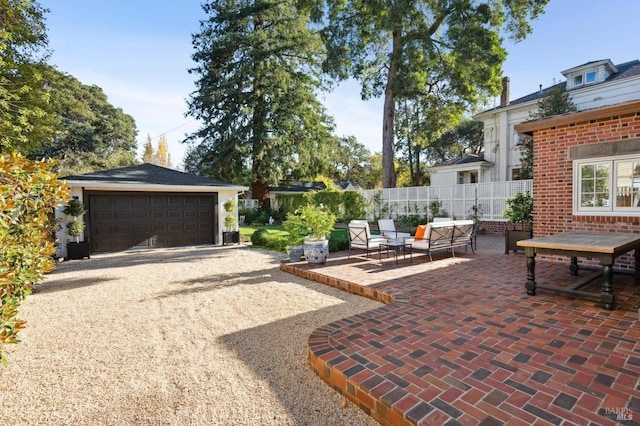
[(119, 221)]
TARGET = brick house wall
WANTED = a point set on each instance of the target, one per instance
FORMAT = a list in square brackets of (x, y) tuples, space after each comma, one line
[(607, 130)]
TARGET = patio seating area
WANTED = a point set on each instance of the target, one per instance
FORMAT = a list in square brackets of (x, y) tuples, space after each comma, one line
[(459, 341)]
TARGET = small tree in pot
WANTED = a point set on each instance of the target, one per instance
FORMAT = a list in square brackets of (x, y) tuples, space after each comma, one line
[(76, 249), (519, 211), (316, 222), (231, 235)]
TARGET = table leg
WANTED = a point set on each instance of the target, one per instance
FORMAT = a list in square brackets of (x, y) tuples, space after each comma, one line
[(573, 266), (606, 297), (531, 271), (636, 273)]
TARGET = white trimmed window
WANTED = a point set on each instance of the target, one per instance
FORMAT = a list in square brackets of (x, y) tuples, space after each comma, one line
[(607, 186), (577, 80)]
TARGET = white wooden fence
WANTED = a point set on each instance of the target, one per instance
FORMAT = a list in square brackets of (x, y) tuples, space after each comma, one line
[(456, 200)]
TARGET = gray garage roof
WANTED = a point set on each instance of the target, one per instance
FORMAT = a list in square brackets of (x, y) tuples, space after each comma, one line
[(147, 174)]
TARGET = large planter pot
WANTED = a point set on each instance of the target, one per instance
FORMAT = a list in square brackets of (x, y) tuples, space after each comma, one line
[(230, 237), (316, 251), (295, 252), (78, 250), (511, 239)]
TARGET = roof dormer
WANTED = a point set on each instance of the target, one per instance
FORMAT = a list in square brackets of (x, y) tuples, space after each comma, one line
[(589, 73)]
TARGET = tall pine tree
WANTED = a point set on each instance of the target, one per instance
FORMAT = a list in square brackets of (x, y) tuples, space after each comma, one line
[(258, 66)]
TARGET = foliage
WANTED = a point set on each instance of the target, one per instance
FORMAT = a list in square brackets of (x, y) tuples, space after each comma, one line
[(372, 176), (257, 69), (75, 228), (296, 229), (379, 206), (91, 134), (350, 161), (345, 205), (476, 212), (74, 208), (258, 216), (353, 206), (467, 137), (420, 124), (230, 220), (257, 238), (161, 156), (316, 219), (229, 205), (29, 191), (26, 118), (556, 101), (271, 238), (404, 49), (520, 210), (435, 210)]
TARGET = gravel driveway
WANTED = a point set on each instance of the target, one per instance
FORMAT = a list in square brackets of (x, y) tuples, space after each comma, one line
[(186, 336)]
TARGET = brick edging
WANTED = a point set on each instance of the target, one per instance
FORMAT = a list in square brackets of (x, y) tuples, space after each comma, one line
[(349, 381)]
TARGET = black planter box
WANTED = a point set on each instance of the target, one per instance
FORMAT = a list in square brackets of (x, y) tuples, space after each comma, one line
[(511, 239), (230, 237), (78, 250)]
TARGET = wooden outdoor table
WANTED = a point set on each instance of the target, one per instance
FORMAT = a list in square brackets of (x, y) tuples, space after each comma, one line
[(604, 247)]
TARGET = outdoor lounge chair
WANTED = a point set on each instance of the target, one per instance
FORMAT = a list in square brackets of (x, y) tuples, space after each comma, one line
[(360, 237), (388, 229)]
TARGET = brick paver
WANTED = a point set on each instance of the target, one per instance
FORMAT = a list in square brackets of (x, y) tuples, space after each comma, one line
[(459, 342)]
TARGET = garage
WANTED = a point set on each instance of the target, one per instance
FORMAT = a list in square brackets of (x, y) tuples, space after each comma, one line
[(119, 221), (147, 206)]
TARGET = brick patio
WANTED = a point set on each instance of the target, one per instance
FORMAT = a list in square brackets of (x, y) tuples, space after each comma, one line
[(459, 342)]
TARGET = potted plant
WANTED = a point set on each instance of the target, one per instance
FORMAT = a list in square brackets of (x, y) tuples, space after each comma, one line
[(297, 231), (231, 235), (520, 212), (316, 222), (76, 249)]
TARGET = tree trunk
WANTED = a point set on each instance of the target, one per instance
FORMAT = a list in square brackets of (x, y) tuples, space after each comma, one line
[(388, 148), (260, 191)]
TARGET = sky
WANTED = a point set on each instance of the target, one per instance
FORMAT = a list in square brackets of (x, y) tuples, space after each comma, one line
[(139, 51)]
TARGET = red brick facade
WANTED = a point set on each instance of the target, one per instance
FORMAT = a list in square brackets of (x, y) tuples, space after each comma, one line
[(553, 168)]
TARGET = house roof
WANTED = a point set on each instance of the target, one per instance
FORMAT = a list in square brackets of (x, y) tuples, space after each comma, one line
[(464, 159), (624, 70), (345, 184), (529, 127), (146, 175), (298, 187)]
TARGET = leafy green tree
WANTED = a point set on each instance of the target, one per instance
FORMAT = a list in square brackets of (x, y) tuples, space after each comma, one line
[(420, 123), (258, 67), (466, 137), (556, 101), (350, 160), (29, 191), (373, 174), (91, 134), (26, 119), (447, 48)]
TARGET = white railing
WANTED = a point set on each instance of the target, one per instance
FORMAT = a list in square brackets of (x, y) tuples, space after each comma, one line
[(456, 200), (248, 204)]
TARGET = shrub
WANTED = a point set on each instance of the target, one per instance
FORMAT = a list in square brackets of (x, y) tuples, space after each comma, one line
[(29, 191), (258, 237)]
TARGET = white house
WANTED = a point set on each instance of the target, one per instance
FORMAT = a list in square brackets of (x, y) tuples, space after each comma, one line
[(591, 85)]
